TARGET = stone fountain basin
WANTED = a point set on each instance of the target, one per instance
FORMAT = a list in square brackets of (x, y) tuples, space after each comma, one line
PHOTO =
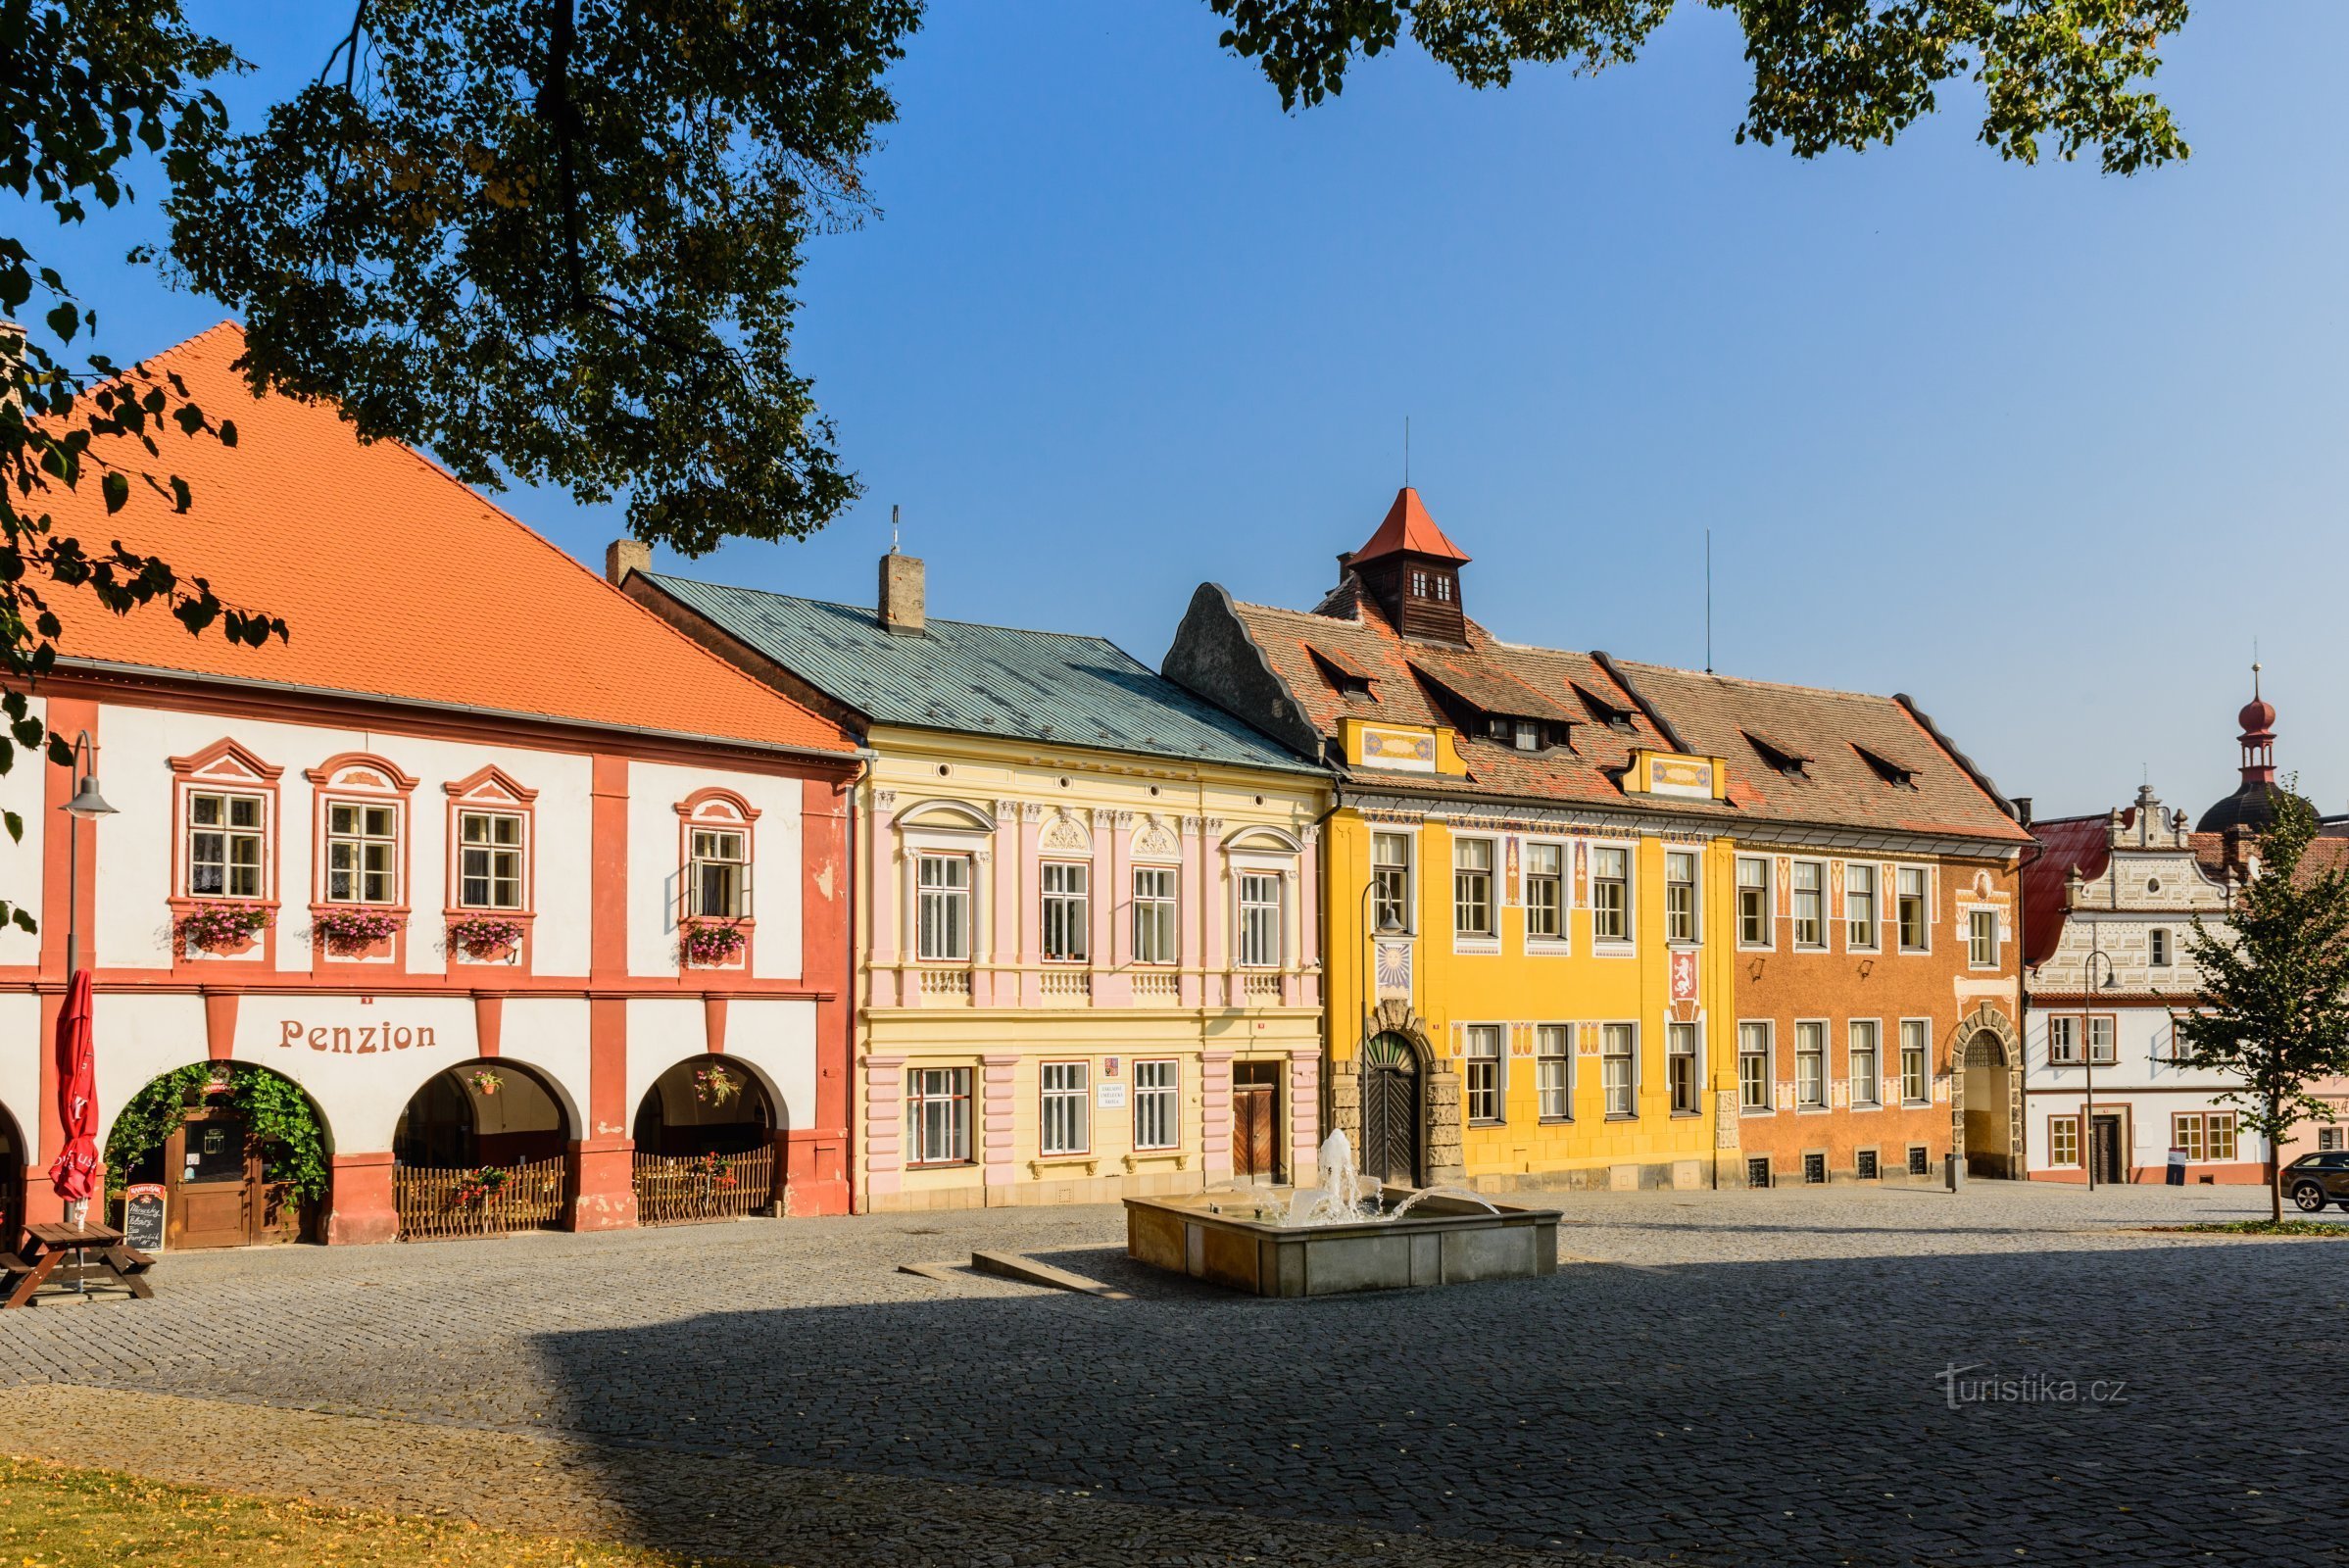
[(1442, 1241)]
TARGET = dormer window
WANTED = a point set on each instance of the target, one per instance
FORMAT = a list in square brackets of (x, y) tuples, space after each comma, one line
[(1527, 735), (1347, 676), (1897, 775), (1782, 757), (1616, 718), (1419, 583), (1444, 587)]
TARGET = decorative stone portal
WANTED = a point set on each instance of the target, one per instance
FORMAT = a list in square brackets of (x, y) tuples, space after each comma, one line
[(1412, 1102)]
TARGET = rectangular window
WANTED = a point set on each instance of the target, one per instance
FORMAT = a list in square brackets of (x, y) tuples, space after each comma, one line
[(2203, 1135), (1916, 1081), (1390, 876), (1260, 920), (942, 912), (1753, 902), (2328, 1139), (1154, 914), (362, 849), (1553, 1069), (1810, 904), (1859, 906), (717, 874), (1753, 1066), (1545, 892), (938, 1115), (224, 846), (2063, 1141), (2157, 948), (1680, 1068), (1679, 896), (1472, 888), (1919, 1154), (1068, 911), (489, 860), (1865, 1166), (1867, 1062), (1484, 1072), (2101, 1044), (1910, 914), (2185, 1133), (1619, 1066), (1610, 895), (1810, 1065), (1157, 1122), (1982, 939), (1067, 1104), (2063, 1038)]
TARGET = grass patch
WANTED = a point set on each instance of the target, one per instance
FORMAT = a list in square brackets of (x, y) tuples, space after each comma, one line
[(2259, 1227), (55, 1516)]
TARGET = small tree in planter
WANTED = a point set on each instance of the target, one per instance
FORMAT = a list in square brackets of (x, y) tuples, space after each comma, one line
[(221, 928), (485, 938), (707, 944), (350, 933)]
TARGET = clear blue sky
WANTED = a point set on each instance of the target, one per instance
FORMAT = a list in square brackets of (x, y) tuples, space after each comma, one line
[(2044, 449)]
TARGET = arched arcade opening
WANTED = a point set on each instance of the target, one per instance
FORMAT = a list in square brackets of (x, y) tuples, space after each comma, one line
[(239, 1152), (481, 1150), (709, 1135)]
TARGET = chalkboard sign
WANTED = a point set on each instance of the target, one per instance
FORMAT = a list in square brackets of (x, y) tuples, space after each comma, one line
[(142, 1217)]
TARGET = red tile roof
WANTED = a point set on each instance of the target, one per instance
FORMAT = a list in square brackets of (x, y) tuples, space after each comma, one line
[(394, 579), (2064, 842), (1407, 526)]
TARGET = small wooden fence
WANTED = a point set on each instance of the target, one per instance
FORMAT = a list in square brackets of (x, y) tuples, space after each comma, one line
[(687, 1189), (490, 1200)]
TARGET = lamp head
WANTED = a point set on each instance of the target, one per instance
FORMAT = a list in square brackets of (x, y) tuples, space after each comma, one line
[(87, 804), (1389, 926)]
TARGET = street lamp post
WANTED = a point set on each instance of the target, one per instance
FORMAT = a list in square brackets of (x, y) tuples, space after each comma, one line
[(86, 806), (2087, 1059)]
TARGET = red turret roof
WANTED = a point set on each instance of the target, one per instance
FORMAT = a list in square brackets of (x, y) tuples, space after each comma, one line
[(1408, 527)]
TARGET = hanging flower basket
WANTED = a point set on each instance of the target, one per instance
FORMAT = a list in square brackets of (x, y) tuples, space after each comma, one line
[(710, 943), (484, 938), (484, 1082), (351, 933), (221, 928), (714, 1086)]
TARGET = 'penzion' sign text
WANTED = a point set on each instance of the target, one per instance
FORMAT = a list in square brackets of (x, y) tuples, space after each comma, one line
[(354, 1039)]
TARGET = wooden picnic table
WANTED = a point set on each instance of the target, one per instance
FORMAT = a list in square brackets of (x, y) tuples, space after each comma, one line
[(20, 1277)]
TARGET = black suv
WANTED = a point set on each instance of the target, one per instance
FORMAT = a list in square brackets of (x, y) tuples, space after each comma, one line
[(2314, 1180)]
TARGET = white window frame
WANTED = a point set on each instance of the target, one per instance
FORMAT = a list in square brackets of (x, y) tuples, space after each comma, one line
[(229, 834), (1489, 936), (1694, 886), (1259, 922), (1873, 1031), (2065, 1122), (1757, 1041), (1694, 1036), (1814, 1029), (1561, 1036), (1925, 907), (492, 852), (2104, 1053), (1977, 923), (699, 836), (1071, 904), (1485, 1046), (1559, 939), (1863, 933), (1608, 1058), (946, 898), (1629, 882), (1158, 1101), (2159, 951), (1158, 914), (1796, 892), (2063, 1038), (1923, 1031), (1764, 890), (1405, 904), (955, 1098), (1065, 1094)]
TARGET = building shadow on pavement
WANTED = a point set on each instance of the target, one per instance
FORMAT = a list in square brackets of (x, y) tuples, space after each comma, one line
[(2116, 1404)]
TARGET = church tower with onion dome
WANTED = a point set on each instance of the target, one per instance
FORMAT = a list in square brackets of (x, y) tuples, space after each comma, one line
[(2253, 804)]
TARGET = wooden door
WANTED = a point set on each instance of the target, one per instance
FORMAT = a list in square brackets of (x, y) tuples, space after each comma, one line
[(2104, 1146), (1256, 1154), (214, 1183)]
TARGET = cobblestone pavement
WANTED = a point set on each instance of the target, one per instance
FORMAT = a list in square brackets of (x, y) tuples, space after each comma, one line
[(1732, 1377)]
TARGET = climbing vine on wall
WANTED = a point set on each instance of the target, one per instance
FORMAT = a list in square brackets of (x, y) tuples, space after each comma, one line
[(278, 1116)]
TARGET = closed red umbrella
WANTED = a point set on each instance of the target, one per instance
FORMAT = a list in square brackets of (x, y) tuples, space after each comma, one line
[(74, 1174)]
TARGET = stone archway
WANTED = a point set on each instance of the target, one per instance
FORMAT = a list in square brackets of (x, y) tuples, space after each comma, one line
[(1985, 1100), (1378, 1071)]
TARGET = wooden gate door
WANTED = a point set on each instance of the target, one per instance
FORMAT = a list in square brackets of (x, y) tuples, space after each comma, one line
[(213, 1184), (2104, 1147), (1255, 1154), (1390, 1149)]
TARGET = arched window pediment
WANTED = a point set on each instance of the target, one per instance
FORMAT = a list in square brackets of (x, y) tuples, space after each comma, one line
[(1265, 839), (947, 815), (361, 770)]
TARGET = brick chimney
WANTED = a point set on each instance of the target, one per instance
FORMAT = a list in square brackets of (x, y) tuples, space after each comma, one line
[(624, 555), (903, 594)]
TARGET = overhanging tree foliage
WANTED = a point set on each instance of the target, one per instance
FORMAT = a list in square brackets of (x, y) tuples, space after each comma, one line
[(559, 240), (2273, 1013)]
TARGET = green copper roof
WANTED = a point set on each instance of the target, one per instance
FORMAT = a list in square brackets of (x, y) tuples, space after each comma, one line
[(983, 680)]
